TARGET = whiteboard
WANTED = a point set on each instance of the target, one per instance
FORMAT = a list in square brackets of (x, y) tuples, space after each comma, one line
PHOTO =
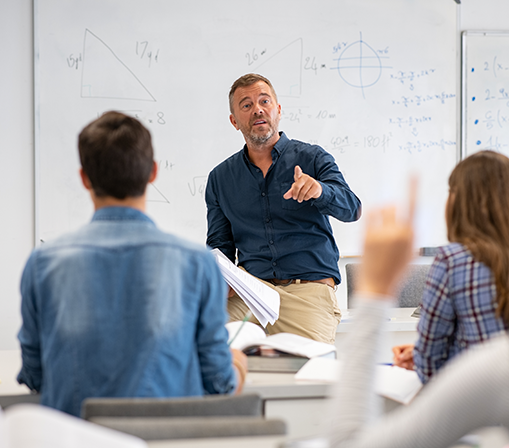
[(374, 83), (485, 91)]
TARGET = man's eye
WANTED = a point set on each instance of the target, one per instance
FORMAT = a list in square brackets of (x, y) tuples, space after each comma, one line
[(246, 106)]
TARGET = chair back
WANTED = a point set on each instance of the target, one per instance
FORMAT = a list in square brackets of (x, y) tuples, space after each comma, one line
[(410, 289)]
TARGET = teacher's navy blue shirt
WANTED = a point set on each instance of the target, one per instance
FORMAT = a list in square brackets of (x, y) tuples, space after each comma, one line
[(275, 237)]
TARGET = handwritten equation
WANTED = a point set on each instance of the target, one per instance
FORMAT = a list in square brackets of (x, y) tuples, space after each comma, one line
[(419, 145), (419, 100)]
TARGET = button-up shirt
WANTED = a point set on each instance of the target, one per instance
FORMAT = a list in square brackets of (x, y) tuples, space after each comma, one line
[(458, 309), (121, 309), (276, 237)]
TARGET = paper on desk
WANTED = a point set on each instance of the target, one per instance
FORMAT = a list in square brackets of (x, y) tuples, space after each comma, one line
[(393, 382), (261, 300)]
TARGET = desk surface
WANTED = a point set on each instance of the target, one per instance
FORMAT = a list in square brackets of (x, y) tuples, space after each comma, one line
[(275, 386), (400, 320), (494, 437), (222, 442)]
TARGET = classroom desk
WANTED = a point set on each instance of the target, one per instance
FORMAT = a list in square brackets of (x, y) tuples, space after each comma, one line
[(226, 442), (483, 438), (303, 405)]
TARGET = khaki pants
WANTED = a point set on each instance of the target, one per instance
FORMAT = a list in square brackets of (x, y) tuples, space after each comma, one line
[(307, 309)]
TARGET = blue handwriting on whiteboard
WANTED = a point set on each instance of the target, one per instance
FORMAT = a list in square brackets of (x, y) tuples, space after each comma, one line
[(419, 146), (418, 100)]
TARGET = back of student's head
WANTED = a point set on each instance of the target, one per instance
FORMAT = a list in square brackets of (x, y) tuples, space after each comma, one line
[(478, 215), (116, 155)]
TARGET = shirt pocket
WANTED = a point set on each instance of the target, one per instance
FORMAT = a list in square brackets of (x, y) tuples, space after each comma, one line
[(289, 204)]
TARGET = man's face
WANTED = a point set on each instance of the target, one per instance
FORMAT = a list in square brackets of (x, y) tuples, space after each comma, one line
[(256, 113)]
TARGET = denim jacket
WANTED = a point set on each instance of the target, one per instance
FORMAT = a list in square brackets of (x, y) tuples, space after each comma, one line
[(121, 309)]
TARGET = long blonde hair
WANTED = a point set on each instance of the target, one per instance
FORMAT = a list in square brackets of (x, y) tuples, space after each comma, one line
[(478, 216)]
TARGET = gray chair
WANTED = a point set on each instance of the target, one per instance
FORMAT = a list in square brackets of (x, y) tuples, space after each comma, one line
[(178, 418), (410, 289), (10, 400)]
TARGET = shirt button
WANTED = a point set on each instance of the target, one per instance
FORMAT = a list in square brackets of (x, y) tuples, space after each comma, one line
[(271, 242), (267, 219), (263, 194), (274, 263)]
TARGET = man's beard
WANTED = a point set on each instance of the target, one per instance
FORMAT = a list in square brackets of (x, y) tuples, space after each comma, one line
[(257, 139)]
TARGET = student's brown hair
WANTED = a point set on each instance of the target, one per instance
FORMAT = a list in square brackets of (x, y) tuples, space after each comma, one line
[(116, 155), (477, 216), (246, 81)]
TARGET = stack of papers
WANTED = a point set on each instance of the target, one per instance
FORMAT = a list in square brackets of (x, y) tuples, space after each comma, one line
[(261, 300)]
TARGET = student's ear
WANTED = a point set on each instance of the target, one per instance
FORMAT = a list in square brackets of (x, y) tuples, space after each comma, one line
[(153, 174), (233, 122), (85, 180)]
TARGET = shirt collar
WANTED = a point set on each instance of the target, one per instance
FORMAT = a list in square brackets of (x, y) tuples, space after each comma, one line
[(280, 145), (120, 214)]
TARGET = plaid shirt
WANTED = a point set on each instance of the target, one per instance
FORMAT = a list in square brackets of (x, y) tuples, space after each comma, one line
[(458, 309)]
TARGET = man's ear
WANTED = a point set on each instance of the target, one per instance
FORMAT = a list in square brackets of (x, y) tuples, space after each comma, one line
[(233, 122), (85, 180), (153, 173)]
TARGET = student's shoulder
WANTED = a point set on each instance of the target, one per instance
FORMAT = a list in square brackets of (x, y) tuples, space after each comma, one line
[(454, 255), (452, 250), (192, 250)]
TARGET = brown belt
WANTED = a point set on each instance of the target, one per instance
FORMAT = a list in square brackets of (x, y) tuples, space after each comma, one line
[(326, 281)]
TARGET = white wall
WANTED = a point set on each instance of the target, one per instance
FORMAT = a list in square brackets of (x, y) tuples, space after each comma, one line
[(17, 155), (16, 159)]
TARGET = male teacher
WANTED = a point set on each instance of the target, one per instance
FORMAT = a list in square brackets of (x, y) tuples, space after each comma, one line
[(118, 308), (269, 205)]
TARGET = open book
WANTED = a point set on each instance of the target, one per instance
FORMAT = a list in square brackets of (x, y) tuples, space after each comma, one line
[(261, 300), (35, 426), (252, 336)]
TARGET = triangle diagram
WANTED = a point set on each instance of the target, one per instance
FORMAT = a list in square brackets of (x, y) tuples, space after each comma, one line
[(104, 75), (284, 69), (155, 195)]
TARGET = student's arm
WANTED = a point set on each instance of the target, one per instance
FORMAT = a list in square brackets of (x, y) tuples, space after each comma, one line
[(31, 369), (219, 231), (437, 322), (403, 356), (469, 393), (387, 250), (240, 365), (219, 375)]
